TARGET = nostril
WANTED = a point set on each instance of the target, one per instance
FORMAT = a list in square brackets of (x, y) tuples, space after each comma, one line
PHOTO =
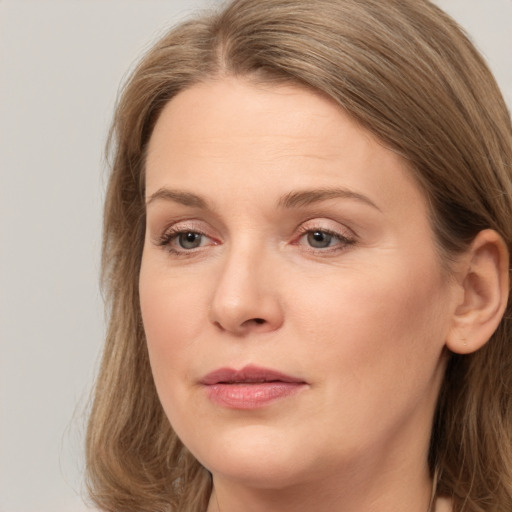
[(259, 320)]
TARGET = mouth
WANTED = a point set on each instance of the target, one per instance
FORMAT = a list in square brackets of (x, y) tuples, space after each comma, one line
[(248, 375), (251, 387)]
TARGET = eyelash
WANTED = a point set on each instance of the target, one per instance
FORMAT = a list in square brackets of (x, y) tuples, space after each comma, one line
[(171, 235)]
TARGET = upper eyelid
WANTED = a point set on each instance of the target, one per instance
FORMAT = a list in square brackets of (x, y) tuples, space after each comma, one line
[(206, 229), (325, 224), (173, 231), (180, 225)]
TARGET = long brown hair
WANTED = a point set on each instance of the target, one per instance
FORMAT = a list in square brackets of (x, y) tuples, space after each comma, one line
[(405, 71)]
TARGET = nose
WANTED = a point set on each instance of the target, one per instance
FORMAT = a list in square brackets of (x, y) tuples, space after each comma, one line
[(246, 296)]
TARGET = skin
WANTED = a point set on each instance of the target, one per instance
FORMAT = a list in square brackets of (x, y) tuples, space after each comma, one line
[(362, 321)]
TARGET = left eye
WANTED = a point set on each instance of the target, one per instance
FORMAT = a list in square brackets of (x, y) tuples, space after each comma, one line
[(189, 239), (321, 239)]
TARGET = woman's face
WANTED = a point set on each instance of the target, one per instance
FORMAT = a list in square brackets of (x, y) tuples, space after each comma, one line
[(294, 304)]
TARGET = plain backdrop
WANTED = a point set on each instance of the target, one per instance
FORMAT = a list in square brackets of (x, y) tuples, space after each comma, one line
[(61, 63)]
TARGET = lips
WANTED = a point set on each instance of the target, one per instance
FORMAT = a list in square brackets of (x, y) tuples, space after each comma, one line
[(249, 388), (248, 374)]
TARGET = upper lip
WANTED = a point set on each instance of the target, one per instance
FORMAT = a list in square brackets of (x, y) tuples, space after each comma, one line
[(247, 374)]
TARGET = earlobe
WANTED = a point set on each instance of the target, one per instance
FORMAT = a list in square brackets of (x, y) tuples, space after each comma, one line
[(485, 288)]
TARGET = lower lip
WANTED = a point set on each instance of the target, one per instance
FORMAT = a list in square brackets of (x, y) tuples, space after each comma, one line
[(251, 395)]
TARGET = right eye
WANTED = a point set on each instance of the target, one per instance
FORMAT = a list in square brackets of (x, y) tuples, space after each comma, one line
[(184, 242)]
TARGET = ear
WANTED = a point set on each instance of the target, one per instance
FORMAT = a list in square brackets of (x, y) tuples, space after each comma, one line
[(484, 282)]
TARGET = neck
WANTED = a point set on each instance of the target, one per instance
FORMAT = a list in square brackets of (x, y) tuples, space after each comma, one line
[(377, 493)]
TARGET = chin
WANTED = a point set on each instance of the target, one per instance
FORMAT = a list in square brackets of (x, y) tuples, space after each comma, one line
[(255, 456)]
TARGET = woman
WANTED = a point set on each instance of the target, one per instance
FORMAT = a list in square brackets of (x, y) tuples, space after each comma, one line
[(306, 258)]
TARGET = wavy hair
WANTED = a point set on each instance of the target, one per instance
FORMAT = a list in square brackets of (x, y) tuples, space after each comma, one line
[(405, 71)]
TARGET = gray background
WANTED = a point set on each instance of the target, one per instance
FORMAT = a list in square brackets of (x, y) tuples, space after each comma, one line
[(61, 63)]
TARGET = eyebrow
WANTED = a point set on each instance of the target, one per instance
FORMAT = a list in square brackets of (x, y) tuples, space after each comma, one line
[(303, 198), (178, 196), (294, 199)]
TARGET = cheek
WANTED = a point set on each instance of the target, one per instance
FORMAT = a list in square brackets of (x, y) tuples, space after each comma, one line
[(171, 315), (385, 326), (172, 312), (374, 345)]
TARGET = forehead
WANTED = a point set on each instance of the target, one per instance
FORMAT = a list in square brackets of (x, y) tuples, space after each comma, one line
[(218, 113), (232, 134)]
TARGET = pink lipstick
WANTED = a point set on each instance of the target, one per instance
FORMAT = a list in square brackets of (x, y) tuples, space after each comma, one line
[(251, 387)]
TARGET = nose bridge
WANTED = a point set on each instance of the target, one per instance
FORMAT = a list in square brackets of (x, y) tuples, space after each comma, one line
[(245, 297)]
